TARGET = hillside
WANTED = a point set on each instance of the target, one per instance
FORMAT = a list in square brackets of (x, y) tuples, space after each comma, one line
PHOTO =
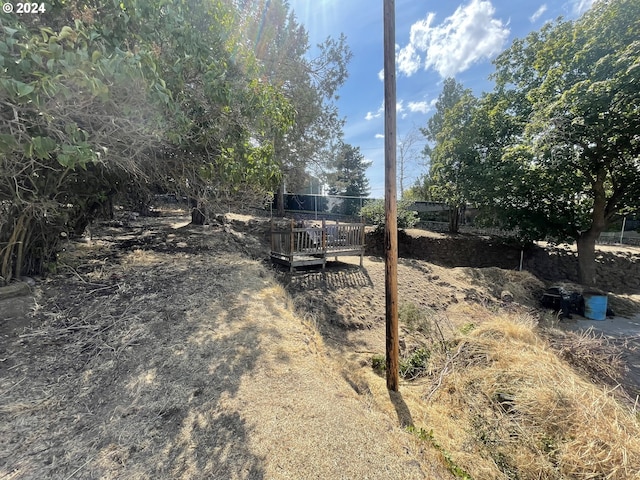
[(161, 350)]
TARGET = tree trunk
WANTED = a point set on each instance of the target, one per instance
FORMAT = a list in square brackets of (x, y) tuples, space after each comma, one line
[(587, 257), (586, 241), (198, 216), (454, 215)]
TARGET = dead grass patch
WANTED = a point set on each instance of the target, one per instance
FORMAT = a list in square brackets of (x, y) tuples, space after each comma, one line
[(509, 407), (180, 357), (590, 353), (525, 288), (174, 353)]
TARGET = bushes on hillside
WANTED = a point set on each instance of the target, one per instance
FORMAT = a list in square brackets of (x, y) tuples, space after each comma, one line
[(374, 212)]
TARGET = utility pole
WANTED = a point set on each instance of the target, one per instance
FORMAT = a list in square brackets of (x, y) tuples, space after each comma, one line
[(390, 203)]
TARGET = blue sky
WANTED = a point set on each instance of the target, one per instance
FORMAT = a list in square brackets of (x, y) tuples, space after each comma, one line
[(434, 40)]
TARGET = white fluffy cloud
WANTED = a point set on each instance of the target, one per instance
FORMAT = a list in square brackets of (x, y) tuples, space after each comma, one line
[(372, 115), (539, 13), (379, 135), (407, 60), (422, 107), (378, 113), (469, 35)]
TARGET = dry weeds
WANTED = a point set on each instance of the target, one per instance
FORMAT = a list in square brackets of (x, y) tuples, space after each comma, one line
[(508, 407), (165, 352), (175, 354), (591, 353)]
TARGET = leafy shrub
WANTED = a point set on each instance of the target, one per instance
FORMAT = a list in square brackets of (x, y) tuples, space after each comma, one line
[(415, 365), (374, 213), (379, 363)]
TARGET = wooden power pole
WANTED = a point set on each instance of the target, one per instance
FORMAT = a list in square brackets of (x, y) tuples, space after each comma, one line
[(390, 199)]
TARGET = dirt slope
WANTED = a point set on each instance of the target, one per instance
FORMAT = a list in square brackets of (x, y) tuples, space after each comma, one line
[(183, 360), (163, 351)]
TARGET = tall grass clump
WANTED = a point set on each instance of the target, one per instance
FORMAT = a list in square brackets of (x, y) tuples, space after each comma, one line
[(505, 405)]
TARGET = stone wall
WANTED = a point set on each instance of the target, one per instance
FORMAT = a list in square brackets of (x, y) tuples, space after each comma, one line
[(618, 272)]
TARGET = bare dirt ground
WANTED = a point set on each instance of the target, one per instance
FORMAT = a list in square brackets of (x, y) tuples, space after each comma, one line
[(160, 350), (173, 353)]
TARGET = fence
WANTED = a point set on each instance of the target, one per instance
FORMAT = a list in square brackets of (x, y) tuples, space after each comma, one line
[(322, 206), (626, 238), (443, 227)]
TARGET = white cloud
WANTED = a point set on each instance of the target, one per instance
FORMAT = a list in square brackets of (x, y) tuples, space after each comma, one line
[(381, 75), (378, 113), (379, 135), (469, 35), (539, 13), (581, 6), (421, 107), (371, 116), (407, 60)]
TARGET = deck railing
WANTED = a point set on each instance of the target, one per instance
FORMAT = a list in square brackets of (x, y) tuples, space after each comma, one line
[(316, 242)]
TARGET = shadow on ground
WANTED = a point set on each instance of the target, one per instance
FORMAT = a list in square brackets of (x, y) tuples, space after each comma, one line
[(129, 366)]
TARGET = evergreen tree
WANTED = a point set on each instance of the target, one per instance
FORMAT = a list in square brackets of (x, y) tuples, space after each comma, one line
[(349, 177)]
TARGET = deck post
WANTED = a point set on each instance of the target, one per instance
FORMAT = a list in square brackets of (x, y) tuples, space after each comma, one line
[(324, 237), (323, 244), (272, 239), (291, 247), (338, 234), (362, 239)]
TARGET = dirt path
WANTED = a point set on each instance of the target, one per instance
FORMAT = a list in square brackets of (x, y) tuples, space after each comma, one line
[(184, 361)]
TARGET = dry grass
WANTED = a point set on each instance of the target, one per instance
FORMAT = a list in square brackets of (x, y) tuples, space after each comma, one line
[(523, 286), (504, 401), (508, 407), (589, 352), (183, 358), (175, 353)]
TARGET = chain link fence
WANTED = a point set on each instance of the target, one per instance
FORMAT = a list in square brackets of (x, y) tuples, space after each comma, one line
[(330, 207)]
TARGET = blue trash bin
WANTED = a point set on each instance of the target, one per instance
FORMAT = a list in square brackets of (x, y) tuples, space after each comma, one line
[(595, 305)]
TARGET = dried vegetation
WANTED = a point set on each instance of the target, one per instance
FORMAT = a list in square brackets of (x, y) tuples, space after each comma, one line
[(166, 352), (505, 405)]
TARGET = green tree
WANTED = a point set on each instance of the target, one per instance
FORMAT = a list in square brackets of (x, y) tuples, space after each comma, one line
[(309, 80), (112, 100), (565, 114), (349, 177), (421, 190), (451, 154), (374, 212)]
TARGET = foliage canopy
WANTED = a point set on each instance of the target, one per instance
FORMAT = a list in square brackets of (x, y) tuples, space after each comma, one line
[(554, 150), (120, 99)]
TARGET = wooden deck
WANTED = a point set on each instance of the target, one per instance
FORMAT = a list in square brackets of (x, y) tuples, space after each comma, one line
[(298, 246)]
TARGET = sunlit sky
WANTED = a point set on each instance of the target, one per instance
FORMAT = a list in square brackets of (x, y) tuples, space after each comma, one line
[(434, 40)]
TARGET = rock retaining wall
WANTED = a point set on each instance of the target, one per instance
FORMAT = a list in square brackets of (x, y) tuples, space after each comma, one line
[(618, 272)]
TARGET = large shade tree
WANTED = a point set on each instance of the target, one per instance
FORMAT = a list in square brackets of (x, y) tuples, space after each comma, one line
[(309, 79), (561, 138), (114, 98), (451, 134)]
